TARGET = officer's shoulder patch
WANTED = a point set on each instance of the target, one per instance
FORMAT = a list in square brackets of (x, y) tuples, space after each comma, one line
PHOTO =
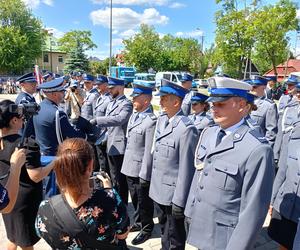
[(213, 125), (152, 116), (187, 121), (255, 132)]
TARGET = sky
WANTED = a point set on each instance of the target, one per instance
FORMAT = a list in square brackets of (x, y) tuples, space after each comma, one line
[(184, 18)]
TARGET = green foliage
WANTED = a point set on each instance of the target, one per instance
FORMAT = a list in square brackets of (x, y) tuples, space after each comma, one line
[(77, 60), (101, 67), (21, 37), (69, 41)]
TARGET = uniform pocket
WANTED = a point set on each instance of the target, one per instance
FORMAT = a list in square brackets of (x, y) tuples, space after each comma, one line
[(225, 175), (167, 147), (169, 180), (225, 224)]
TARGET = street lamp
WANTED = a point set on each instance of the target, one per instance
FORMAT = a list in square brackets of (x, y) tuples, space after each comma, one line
[(50, 37), (202, 39), (110, 38)]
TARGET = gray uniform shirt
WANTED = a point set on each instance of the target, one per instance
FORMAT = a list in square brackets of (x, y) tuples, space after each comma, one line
[(138, 157), (173, 153), (233, 189), (88, 106)]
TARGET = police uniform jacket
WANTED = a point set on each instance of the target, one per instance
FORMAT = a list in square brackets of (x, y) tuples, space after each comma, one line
[(173, 153), (26, 98), (201, 121), (88, 105), (186, 104), (286, 111), (138, 157), (266, 117), (232, 191), (45, 127), (116, 119), (101, 104), (286, 190)]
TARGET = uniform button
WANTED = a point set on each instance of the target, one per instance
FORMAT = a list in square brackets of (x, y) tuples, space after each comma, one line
[(201, 187), (205, 173), (209, 161), (156, 150), (296, 183), (299, 173), (225, 169)]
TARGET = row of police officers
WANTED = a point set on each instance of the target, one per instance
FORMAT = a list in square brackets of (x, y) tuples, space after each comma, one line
[(205, 162)]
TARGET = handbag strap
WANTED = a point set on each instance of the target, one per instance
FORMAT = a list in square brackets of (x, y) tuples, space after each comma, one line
[(75, 228)]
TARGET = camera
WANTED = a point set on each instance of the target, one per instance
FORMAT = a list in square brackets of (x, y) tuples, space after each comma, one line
[(73, 89), (25, 109), (97, 183)]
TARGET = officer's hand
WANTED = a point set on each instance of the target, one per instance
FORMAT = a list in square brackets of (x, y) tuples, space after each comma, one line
[(270, 211), (93, 121), (144, 183), (177, 212), (18, 158), (105, 179)]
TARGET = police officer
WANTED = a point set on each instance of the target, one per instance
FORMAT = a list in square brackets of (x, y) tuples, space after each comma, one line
[(273, 91), (200, 117), (265, 115), (172, 171), (235, 174), (137, 164), (28, 88), (288, 99), (116, 119), (100, 107), (52, 125), (186, 83), (89, 101)]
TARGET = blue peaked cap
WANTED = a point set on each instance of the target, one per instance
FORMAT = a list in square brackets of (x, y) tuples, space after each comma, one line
[(292, 79), (258, 80), (101, 79), (88, 78), (168, 87), (140, 88), (29, 77), (251, 97), (186, 77), (272, 78), (298, 87), (112, 82), (198, 97), (53, 86)]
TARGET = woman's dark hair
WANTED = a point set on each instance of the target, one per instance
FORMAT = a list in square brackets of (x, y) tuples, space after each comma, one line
[(5, 114), (71, 164)]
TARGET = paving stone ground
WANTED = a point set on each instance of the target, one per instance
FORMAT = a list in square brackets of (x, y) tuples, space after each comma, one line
[(263, 241)]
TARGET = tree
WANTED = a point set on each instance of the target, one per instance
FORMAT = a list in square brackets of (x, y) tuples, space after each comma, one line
[(69, 41), (143, 50), (234, 40), (77, 60), (271, 24), (101, 67), (21, 37)]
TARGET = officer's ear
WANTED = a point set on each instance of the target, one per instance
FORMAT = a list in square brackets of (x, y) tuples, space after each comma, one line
[(242, 104)]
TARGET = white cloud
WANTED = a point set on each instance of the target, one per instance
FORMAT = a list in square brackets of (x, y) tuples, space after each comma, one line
[(193, 34), (76, 22), (126, 18), (117, 42), (33, 4), (98, 53), (128, 33), (115, 32), (133, 2), (177, 5), (298, 14), (56, 33)]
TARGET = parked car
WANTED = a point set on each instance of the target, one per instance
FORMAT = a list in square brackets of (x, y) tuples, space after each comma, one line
[(171, 76), (147, 79), (202, 83)]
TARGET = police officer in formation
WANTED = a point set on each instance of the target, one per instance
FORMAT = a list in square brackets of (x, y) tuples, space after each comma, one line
[(172, 169), (27, 83), (100, 107), (265, 115), (116, 119), (137, 164), (234, 171), (89, 102), (200, 116), (285, 100), (186, 83)]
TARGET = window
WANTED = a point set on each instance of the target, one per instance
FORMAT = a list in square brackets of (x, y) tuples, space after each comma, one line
[(46, 58), (60, 59), (174, 79)]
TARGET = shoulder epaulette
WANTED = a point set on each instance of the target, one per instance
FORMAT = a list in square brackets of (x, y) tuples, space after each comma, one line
[(255, 132), (187, 121), (152, 116)]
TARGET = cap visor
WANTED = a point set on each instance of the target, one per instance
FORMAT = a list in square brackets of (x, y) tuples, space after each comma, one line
[(160, 93), (135, 94), (218, 98)]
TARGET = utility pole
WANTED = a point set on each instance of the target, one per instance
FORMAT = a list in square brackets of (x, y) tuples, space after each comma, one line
[(110, 39)]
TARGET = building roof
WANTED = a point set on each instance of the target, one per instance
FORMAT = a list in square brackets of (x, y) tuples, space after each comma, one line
[(284, 69)]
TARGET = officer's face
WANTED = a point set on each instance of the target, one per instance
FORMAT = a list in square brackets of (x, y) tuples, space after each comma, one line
[(29, 87), (170, 104), (114, 92), (291, 89), (187, 84), (229, 112), (198, 107), (88, 85), (60, 96), (140, 102), (258, 90), (298, 96)]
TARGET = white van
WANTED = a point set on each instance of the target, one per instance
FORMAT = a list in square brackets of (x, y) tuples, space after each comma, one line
[(171, 76)]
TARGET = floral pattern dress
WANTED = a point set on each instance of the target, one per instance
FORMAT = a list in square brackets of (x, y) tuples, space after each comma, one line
[(104, 215)]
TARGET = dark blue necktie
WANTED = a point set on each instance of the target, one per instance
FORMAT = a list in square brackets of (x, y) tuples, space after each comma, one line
[(220, 136)]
